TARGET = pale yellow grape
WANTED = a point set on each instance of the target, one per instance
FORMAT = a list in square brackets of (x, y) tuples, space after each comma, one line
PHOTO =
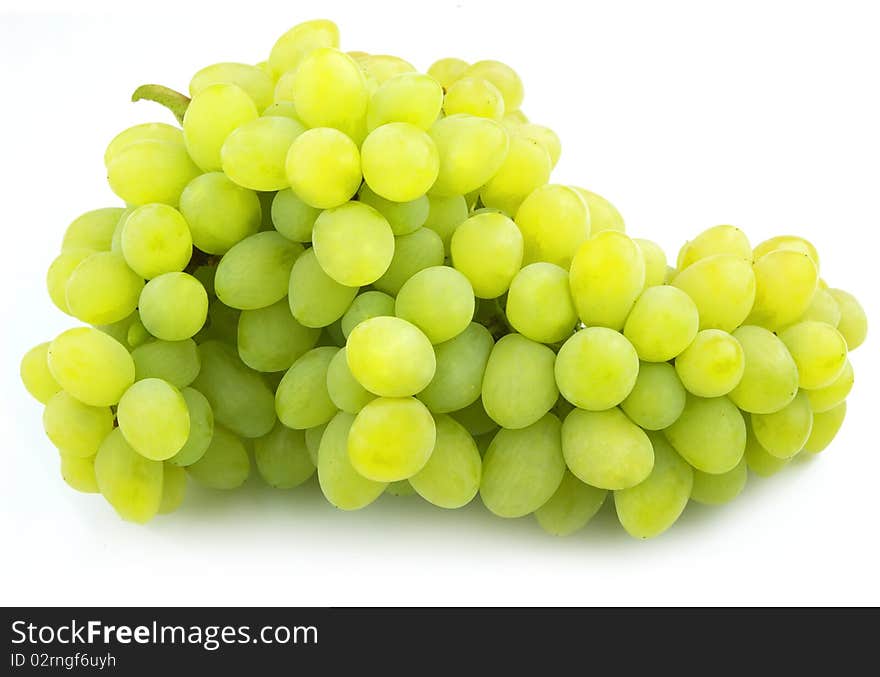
[(652, 506), (79, 473), (313, 441), (712, 365), (92, 230), (819, 351), (148, 131), (596, 368), (173, 306), (662, 323), (823, 308), (131, 483), (471, 150), (451, 477), (544, 136), (403, 217), (292, 217), (571, 507), (155, 240), (657, 398), (655, 262), (102, 289), (770, 378), (716, 240), (539, 303), (409, 97), (90, 365), (447, 70), (316, 299), (723, 287), (59, 273), (77, 429), (330, 90), (324, 167), (252, 79), (826, 424), (219, 213), (210, 117), (446, 213), (823, 399), (522, 469), (438, 300), (474, 96), (283, 92), (785, 284), (458, 378), (353, 243), (400, 162), (177, 362), (503, 77), (379, 68), (282, 458), (788, 242), (710, 489), (853, 321), (554, 221), (488, 249), (255, 273), (784, 433), (137, 333), (605, 449), (282, 109), (302, 400), (366, 305), (201, 428), (390, 357), (224, 465), (759, 461), (414, 252), (603, 214), (270, 338), (342, 387), (710, 434), (526, 167), (151, 171), (342, 485), (35, 374), (173, 488), (154, 418), (297, 43), (254, 155)]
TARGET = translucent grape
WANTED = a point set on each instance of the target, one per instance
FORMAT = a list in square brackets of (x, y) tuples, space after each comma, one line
[(853, 321), (173, 306), (503, 77), (712, 365), (201, 428), (544, 136), (334, 232), (474, 96), (710, 434), (818, 350), (177, 362), (471, 150), (77, 429), (662, 323), (282, 458), (823, 399), (655, 262), (252, 79), (716, 240), (154, 418), (255, 273), (596, 368), (151, 171), (156, 240), (254, 155), (785, 284), (270, 338), (403, 217), (657, 398), (448, 70), (789, 243), (341, 484), (400, 161), (710, 489), (90, 365), (131, 483), (412, 253), (571, 507), (770, 378), (149, 131), (451, 477), (92, 230), (826, 424), (224, 465), (488, 249), (302, 400), (366, 305), (539, 304), (759, 461), (343, 388), (722, 286), (330, 91), (438, 300), (316, 299), (292, 217), (210, 117), (59, 273), (79, 473), (409, 97), (299, 42), (526, 167), (35, 374), (220, 213), (446, 213), (324, 167), (458, 378), (380, 68), (785, 432), (603, 214), (823, 308), (102, 289), (554, 221)]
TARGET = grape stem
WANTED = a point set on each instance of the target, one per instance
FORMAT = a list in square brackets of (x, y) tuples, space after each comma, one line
[(172, 100)]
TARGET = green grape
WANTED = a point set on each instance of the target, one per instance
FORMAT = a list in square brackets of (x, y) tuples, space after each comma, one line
[(365, 306), (759, 461), (173, 306), (379, 68), (252, 79), (255, 273), (90, 365), (131, 483), (526, 167), (324, 167), (446, 71), (254, 155), (154, 418), (330, 91), (446, 213), (652, 506), (59, 274), (282, 458), (220, 214), (710, 434), (292, 217), (503, 77), (471, 151), (390, 357), (785, 432), (334, 232), (412, 253), (77, 429), (825, 427), (518, 385), (224, 465), (439, 301), (657, 398), (605, 449), (222, 324), (137, 333), (607, 276), (239, 398), (302, 400), (409, 97), (400, 161), (571, 507), (488, 249), (712, 489), (596, 368), (400, 488), (712, 365), (823, 308), (543, 136), (474, 96), (149, 131), (785, 284), (156, 240), (722, 286), (102, 289), (713, 241), (824, 399), (313, 441), (35, 374), (539, 304), (174, 361), (300, 41), (79, 473), (818, 350), (451, 477), (655, 262), (853, 321), (662, 323), (92, 230), (344, 390), (458, 378), (173, 488), (522, 469), (789, 243), (201, 428), (475, 419), (603, 214), (341, 484), (554, 221), (403, 217), (210, 117), (270, 338), (315, 298), (283, 93), (770, 377), (151, 171)]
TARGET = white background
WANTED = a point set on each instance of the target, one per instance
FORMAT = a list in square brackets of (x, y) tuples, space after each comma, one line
[(685, 114)]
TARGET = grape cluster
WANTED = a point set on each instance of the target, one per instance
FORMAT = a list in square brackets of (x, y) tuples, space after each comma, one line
[(344, 267)]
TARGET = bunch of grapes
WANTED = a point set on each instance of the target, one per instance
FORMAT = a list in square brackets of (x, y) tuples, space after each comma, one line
[(342, 267)]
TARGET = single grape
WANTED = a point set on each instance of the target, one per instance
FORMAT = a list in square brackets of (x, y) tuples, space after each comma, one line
[(710, 434), (789, 243), (252, 79), (446, 71), (224, 465), (92, 230), (526, 167), (853, 321), (77, 429), (824, 399), (785, 284), (211, 117), (324, 167), (712, 365), (474, 96), (818, 350), (826, 424), (330, 91), (445, 214), (151, 171), (722, 286), (316, 299), (409, 97), (710, 489), (785, 432), (770, 379), (539, 303), (35, 374), (400, 161), (270, 339), (596, 368), (662, 323), (173, 306), (451, 477), (177, 362), (603, 214), (201, 428), (254, 155), (59, 273), (149, 131), (282, 458), (439, 301), (154, 418), (716, 240), (571, 507), (823, 308), (471, 150), (102, 289), (657, 398), (354, 222), (458, 378), (155, 240), (420, 249), (90, 365), (220, 213), (488, 249), (131, 483), (292, 217), (255, 273), (554, 221), (544, 136), (300, 41), (302, 400), (503, 77)]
